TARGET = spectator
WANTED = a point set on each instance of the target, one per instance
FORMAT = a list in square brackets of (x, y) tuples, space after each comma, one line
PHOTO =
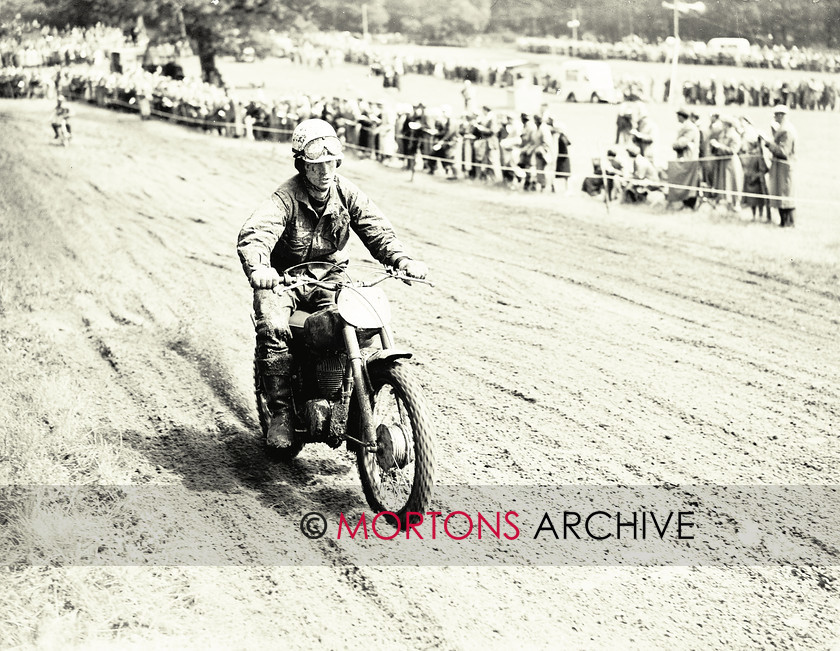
[(783, 148), (468, 93), (687, 143), (563, 168), (755, 174), (611, 170), (413, 133), (486, 145), (728, 174), (445, 141), (644, 134), (543, 155), (510, 144), (624, 125), (642, 179)]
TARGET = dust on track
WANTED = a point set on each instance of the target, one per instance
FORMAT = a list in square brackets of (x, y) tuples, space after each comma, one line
[(561, 345)]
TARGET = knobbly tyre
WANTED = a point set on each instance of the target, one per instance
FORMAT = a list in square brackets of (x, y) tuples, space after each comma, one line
[(351, 385)]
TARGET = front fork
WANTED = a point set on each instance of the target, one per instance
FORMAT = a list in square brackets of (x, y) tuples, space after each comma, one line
[(354, 354), (360, 380)]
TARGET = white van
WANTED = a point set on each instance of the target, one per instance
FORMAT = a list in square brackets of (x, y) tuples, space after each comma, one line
[(729, 49), (587, 81)]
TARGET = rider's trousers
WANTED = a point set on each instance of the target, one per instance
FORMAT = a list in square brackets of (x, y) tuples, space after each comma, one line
[(271, 314)]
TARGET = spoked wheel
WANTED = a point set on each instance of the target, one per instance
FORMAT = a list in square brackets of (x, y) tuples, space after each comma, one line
[(398, 476), (273, 453)]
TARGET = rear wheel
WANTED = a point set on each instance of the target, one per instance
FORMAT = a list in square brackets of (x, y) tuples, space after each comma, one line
[(273, 453), (398, 476)]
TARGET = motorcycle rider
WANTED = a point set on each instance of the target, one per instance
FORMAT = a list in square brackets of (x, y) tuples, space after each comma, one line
[(308, 218), (61, 117)]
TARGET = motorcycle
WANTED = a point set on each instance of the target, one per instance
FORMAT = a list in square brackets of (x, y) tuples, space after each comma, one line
[(351, 385), (63, 133)]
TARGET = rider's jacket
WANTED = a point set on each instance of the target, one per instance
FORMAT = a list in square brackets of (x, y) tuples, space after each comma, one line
[(60, 114), (285, 229)]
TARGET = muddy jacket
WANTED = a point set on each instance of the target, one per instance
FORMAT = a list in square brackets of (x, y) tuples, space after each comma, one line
[(285, 230)]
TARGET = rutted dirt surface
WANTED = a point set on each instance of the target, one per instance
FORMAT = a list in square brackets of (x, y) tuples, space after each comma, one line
[(561, 345)]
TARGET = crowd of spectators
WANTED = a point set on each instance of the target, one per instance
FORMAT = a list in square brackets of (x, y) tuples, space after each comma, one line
[(724, 161), (30, 45), (809, 94), (528, 151), (776, 57)]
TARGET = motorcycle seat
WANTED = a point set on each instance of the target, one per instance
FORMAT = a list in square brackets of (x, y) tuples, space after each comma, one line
[(298, 318)]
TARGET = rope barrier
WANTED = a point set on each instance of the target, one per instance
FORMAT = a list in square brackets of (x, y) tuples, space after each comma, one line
[(518, 171)]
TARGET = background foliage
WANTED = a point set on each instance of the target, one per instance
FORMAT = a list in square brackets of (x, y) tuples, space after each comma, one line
[(799, 22), (219, 26)]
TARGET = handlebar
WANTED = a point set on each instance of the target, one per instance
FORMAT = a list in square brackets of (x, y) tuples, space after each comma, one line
[(291, 281)]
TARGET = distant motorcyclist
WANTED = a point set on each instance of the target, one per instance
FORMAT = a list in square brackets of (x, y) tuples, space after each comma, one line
[(307, 219), (61, 117)]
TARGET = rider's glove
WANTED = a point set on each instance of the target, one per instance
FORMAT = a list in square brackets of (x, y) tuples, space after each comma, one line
[(413, 268), (264, 278)]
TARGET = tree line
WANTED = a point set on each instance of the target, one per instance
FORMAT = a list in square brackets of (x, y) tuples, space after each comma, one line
[(208, 23)]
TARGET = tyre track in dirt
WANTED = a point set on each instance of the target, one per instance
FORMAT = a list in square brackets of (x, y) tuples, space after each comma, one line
[(736, 349), (196, 425), (548, 360)]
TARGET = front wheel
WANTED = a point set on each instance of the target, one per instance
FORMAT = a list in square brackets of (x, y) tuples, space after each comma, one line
[(398, 476)]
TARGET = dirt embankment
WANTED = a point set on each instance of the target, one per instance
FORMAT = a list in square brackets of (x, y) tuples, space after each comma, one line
[(562, 345)]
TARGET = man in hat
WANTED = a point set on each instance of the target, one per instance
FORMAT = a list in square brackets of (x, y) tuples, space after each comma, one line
[(645, 132), (526, 152), (486, 146), (642, 177), (687, 143), (685, 171), (415, 134), (444, 141), (624, 125), (783, 148)]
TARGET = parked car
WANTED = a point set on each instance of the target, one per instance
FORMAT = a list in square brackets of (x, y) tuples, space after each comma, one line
[(587, 81)]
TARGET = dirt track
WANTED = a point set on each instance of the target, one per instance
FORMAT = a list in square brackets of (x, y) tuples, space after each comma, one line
[(562, 345)]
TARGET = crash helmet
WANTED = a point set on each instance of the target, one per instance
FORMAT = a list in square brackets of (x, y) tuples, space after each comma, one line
[(315, 141)]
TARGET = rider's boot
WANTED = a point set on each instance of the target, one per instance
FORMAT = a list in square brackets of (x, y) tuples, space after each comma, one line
[(276, 382)]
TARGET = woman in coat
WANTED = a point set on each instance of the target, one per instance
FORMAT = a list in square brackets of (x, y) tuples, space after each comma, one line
[(728, 174)]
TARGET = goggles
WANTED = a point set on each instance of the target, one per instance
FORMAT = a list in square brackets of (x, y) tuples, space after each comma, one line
[(326, 148)]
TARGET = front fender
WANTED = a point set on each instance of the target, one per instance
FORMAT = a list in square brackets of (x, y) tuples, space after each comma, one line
[(376, 359), (385, 356)]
